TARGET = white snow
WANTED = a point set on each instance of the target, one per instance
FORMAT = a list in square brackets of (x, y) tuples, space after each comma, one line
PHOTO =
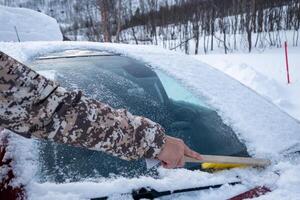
[(266, 130), (265, 73), (176, 178), (23, 153), (30, 25)]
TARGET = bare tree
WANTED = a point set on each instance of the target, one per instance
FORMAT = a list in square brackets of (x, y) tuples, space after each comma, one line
[(104, 9)]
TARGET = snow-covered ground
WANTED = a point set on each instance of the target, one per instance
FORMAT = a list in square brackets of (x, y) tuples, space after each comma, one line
[(265, 73), (28, 25), (266, 130)]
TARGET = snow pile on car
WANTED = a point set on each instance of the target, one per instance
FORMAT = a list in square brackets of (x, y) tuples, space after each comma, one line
[(265, 129), (27, 25)]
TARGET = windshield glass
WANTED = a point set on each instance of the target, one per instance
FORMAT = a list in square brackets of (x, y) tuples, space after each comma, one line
[(126, 83)]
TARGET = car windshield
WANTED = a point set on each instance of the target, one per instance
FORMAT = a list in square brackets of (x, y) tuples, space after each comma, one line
[(123, 82)]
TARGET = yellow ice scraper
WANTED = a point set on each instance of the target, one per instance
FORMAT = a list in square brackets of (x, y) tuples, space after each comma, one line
[(220, 166), (227, 162), (220, 162)]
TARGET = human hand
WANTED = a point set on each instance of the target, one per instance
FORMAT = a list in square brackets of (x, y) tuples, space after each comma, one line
[(173, 152)]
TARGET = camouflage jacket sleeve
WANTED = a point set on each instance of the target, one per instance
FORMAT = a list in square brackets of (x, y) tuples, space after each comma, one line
[(32, 105)]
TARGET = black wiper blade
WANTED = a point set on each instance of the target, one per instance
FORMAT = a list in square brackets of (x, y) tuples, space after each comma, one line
[(148, 193)]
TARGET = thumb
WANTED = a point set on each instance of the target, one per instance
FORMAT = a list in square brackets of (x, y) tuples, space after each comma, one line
[(190, 153)]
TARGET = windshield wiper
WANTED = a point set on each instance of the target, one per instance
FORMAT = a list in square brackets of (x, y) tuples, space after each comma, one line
[(148, 193)]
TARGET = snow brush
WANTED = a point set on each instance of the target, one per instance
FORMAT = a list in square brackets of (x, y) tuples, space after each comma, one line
[(212, 162)]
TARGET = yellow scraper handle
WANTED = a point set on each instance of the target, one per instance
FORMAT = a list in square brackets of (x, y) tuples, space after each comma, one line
[(220, 162), (220, 166), (231, 160)]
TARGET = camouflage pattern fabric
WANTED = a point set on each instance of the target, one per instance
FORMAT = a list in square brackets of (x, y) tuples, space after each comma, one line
[(32, 105)]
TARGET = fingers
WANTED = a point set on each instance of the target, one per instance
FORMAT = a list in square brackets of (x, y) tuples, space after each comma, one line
[(169, 164), (165, 165), (172, 165), (172, 155), (181, 162), (173, 162), (190, 153)]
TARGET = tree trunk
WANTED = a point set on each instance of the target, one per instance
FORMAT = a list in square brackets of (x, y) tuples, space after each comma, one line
[(196, 35), (225, 46), (212, 30), (119, 20), (133, 33), (104, 9)]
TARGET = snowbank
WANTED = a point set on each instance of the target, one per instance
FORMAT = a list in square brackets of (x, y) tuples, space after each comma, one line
[(266, 130), (265, 73), (30, 25)]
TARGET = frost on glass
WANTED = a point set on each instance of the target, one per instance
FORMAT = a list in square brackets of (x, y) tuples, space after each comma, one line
[(125, 83)]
